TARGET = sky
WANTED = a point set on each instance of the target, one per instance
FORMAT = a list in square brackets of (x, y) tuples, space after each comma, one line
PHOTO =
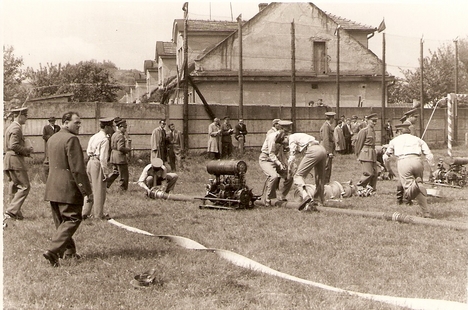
[(125, 31)]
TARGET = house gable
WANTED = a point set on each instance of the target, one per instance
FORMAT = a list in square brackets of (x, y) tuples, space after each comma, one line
[(266, 43)]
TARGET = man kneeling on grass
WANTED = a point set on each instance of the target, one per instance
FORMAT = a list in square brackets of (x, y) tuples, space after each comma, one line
[(155, 175)]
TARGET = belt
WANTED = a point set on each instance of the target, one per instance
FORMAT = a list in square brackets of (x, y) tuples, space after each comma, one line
[(93, 156), (408, 155)]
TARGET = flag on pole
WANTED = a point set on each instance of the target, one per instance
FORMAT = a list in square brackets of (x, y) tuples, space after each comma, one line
[(381, 26)]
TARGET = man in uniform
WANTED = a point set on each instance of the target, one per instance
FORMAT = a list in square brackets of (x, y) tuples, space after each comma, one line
[(118, 158), (315, 157), (328, 142), (158, 142), (174, 147), (409, 149), (97, 169), (240, 131), (270, 163), (365, 152), (155, 174), (16, 149), (66, 188)]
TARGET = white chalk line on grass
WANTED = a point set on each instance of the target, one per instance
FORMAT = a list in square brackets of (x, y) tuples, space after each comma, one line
[(242, 261)]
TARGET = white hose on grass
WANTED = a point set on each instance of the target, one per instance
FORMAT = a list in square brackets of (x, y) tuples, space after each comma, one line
[(242, 261)]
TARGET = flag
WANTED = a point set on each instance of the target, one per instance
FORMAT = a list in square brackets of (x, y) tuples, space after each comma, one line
[(381, 26)]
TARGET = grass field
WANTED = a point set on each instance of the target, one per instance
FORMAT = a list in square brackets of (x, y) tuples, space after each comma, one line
[(349, 252)]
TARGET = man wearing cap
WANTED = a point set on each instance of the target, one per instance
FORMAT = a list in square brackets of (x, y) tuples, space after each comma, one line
[(315, 156), (16, 149), (66, 188), (328, 142), (409, 149), (275, 126), (155, 174), (270, 163), (158, 142), (47, 132), (367, 156), (98, 169), (214, 139), (226, 140), (410, 117), (119, 150)]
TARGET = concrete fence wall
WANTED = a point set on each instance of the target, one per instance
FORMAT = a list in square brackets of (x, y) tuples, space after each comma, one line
[(143, 118)]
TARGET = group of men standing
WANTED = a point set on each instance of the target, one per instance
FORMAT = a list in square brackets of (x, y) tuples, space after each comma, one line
[(220, 137)]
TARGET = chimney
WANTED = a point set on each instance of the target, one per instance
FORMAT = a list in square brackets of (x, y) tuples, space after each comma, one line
[(261, 6)]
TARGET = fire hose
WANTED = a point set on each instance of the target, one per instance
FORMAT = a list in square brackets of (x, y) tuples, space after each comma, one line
[(389, 216), (242, 261)]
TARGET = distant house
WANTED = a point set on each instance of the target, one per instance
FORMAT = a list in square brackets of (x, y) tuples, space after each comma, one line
[(266, 58)]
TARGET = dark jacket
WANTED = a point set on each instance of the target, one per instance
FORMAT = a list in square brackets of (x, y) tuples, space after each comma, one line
[(119, 150), (67, 181), (14, 148), (48, 131)]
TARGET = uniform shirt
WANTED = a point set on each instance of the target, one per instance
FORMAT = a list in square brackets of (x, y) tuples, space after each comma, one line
[(407, 144), (326, 135), (365, 145), (298, 142), (272, 130), (98, 146), (269, 147)]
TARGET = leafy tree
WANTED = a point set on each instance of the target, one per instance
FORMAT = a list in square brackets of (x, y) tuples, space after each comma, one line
[(88, 81), (13, 75), (438, 76)]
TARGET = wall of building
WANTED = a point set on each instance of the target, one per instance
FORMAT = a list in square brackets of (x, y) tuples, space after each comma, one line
[(143, 118), (279, 93), (261, 52)]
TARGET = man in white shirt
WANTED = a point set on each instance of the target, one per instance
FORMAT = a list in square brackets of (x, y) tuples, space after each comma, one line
[(97, 169), (155, 174), (315, 156), (270, 163), (409, 149)]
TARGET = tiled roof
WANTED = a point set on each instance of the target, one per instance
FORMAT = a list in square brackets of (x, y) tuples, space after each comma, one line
[(207, 25), (165, 48), (349, 24)]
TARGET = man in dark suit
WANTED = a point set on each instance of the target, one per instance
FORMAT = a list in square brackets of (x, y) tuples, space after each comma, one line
[(16, 148), (66, 188), (118, 158), (47, 132)]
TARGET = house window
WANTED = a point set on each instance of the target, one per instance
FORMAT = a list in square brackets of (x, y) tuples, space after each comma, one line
[(320, 58)]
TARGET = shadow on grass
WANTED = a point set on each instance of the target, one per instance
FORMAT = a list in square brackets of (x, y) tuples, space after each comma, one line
[(134, 252)]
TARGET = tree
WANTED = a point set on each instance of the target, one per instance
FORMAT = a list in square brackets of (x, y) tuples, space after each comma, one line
[(88, 81), (13, 75), (438, 78)]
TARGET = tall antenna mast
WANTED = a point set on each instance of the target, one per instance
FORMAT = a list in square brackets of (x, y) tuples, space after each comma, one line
[(230, 4), (210, 10)]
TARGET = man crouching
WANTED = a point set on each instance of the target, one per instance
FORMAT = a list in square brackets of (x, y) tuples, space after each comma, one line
[(155, 176)]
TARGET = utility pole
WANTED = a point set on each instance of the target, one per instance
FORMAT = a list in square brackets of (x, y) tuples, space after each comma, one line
[(455, 106), (421, 60), (338, 71), (186, 107), (293, 76), (241, 81), (384, 90)]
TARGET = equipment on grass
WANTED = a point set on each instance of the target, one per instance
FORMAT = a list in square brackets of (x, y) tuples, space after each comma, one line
[(145, 279), (228, 190), (456, 175)]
